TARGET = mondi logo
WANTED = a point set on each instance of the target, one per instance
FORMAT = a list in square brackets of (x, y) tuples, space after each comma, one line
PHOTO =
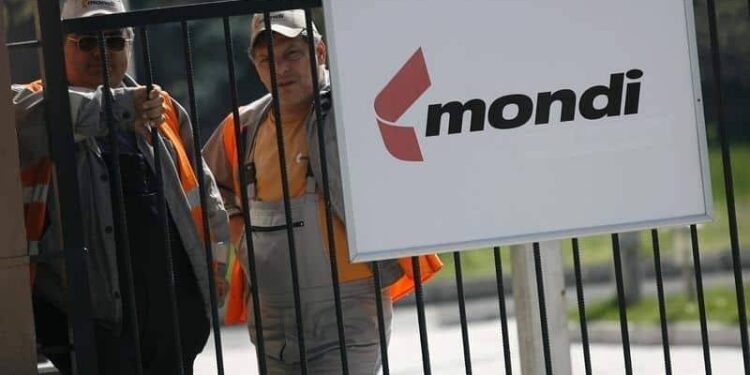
[(392, 102), (413, 80)]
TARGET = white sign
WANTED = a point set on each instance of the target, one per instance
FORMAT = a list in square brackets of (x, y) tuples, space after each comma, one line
[(487, 122)]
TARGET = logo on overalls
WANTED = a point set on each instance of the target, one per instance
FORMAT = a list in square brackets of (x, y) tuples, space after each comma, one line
[(622, 97)]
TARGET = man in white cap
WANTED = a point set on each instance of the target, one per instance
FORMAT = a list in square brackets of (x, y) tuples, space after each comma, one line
[(269, 232), (133, 111)]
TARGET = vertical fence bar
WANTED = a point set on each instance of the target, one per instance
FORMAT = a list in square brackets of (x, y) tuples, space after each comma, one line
[(285, 189), (503, 312), (327, 193), (381, 319), (728, 184), (542, 308), (418, 293), (662, 304), (581, 306), (245, 204), (462, 311), (621, 304), (162, 210), (118, 203), (701, 298), (198, 162), (62, 150)]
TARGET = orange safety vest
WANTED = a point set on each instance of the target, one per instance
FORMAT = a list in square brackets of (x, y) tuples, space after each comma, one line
[(236, 311), (36, 179)]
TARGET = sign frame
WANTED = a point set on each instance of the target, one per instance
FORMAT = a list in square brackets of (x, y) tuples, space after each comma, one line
[(361, 256)]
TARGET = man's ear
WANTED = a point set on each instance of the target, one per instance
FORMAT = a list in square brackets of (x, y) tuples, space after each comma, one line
[(321, 52)]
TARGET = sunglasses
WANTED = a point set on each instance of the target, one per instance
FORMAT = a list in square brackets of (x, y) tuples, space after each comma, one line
[(88, 43)]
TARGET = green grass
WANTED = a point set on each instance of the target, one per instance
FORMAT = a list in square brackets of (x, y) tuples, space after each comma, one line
[(721, 307), (713, 236)]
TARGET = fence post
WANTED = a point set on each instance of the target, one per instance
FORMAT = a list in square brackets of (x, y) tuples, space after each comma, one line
[(527, 309), (17, 346)]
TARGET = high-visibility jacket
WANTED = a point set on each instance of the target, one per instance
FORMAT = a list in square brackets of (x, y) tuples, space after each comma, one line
[(221, 154), (36, 178)]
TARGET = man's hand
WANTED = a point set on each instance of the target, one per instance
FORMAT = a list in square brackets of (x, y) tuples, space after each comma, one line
[(149, 111)]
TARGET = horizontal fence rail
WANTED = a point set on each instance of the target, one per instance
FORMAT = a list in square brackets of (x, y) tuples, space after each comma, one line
[(176, 14)]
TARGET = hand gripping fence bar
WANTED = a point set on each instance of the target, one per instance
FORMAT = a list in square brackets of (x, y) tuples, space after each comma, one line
[(285, 189), (327, 196), (581, 306), (118, 203), (662, 305), (260, 345), (62, 150), (503, 313), (198, 165), (161, 203), (462, 311), (175, 14), (728, 184)]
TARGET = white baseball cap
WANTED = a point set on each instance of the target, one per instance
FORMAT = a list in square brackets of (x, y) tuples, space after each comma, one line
[(289, 23), (85, 8)]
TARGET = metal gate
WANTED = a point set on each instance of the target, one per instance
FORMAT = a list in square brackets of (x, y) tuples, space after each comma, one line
[(62, 146)]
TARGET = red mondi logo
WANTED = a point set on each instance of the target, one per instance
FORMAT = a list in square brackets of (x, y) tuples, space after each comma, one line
[(621, 97), (392, 102)]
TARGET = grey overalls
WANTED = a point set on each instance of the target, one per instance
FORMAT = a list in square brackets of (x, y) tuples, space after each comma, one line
[(271, 247)]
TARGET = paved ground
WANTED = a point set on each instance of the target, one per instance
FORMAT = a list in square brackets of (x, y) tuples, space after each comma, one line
[(486, 351)]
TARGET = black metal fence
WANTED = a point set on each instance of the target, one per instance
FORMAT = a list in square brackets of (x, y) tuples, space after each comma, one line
[(62, 147)]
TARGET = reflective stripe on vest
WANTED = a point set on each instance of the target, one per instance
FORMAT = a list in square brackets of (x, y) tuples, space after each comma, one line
[(188, 180), (35, 181)]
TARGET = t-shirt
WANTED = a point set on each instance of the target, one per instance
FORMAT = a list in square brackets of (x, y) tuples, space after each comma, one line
[(269, 187)]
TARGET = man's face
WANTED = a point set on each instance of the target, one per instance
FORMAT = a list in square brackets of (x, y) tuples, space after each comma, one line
[(84, 66), (292, 69)]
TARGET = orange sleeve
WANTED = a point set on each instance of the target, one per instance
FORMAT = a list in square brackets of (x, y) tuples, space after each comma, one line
[(236, 312), (429, 266)]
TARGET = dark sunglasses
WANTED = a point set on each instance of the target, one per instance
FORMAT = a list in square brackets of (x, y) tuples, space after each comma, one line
[(88, 43)]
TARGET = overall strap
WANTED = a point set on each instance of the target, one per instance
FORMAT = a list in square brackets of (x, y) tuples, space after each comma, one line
[(309, 179), (249, 167)]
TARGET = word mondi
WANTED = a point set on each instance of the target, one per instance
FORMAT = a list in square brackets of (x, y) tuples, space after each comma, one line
[(525, 105)]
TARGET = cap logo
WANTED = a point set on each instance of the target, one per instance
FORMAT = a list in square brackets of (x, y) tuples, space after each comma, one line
[(87, 3)]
